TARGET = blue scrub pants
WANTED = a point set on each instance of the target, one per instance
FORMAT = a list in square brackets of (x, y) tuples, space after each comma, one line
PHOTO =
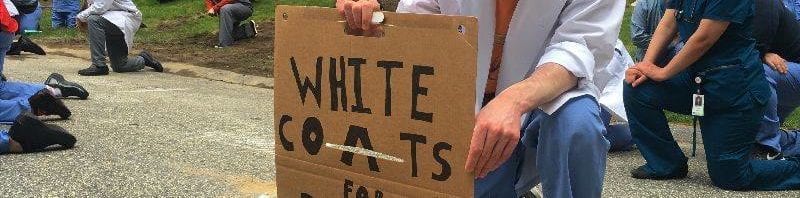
[(728, 138), (779, 107), (572, 150), (13, 95)]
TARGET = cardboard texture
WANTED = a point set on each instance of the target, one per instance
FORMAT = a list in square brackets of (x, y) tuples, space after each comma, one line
[(408, 96)]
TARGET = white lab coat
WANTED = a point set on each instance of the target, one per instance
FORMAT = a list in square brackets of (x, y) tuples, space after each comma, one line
[(611, 81), (12, 10), (577, 34), (122, 13)]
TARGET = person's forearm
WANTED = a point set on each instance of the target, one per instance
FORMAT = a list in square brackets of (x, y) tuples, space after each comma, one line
[(663, 36), (698, 44), (544, 85)]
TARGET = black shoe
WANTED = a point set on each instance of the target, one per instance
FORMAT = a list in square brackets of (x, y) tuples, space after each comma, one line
[(3, 77), (151, 61), (761, 152), (94, 71), (43, 103), (67, 88), (252, 29), (34, 135), (26, 45), (15, 49), (641, 173)]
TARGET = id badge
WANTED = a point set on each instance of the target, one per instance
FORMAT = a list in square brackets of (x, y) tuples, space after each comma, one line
[(698, 104)]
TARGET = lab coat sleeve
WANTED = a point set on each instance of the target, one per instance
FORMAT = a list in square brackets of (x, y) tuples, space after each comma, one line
[(98, 7), (450, 7), (12, 10), (419, 6), (583, 42)]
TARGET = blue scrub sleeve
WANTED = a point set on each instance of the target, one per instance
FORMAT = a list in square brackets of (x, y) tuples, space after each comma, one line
[(734, 11)]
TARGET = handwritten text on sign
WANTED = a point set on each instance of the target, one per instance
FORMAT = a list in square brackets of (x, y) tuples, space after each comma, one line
[(373, 117)]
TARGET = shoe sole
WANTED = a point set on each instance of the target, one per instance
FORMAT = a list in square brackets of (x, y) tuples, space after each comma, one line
[(92, 74), (255, 27)]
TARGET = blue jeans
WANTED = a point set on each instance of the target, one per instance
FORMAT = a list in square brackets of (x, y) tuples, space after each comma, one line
[(785, 99), (572, 150), (64, 19), (13, 95), (728, 137), (30, 21)]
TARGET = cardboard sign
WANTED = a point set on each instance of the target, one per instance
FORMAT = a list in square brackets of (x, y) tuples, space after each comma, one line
[(390, 116)]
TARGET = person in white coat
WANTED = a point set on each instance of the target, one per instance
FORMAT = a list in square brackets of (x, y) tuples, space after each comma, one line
[(112, 25), (611, 81), (537, 62)]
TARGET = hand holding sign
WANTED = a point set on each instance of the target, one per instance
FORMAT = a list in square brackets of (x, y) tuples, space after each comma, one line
[(358, 13)]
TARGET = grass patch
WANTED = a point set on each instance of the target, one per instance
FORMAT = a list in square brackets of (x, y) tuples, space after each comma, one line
[(166, 22)]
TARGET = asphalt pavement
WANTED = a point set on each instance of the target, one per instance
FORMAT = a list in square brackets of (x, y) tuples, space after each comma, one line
[(148, 134)]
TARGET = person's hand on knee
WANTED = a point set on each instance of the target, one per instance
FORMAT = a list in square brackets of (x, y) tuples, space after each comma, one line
[(776, 62), (634, 77)]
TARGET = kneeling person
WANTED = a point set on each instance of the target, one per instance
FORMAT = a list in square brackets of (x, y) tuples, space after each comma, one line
[(111, 27), (231, 14)]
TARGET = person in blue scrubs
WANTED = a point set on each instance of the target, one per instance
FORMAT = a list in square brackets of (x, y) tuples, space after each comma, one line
[(720, 62), (776, 32)]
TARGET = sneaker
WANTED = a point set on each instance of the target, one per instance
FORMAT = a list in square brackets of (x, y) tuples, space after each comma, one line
[(67, 88), (642, 173), (43, 104), (15, 49), (34, 135), (94, 71), (3, 77), (27, 45), (151, 61), (253, 28), (761, 152)]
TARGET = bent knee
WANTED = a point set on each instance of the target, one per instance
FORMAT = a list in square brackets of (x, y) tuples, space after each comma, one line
[(581, 121), (94, 18), (226, 9), (730, 172)]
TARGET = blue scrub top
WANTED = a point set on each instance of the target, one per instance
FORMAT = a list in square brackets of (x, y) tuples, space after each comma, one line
[(731, 71)]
